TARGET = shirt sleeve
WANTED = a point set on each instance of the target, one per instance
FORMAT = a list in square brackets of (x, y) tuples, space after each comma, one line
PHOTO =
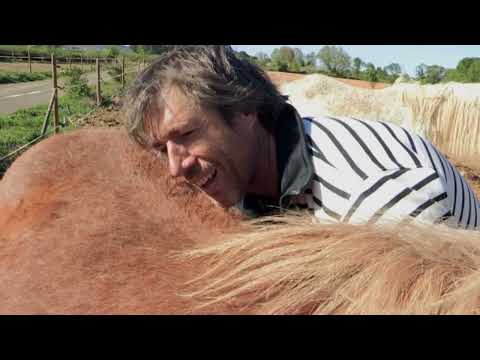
[(394, 195)]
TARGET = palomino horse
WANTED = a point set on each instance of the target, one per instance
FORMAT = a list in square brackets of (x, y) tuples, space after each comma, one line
[(91, 224)]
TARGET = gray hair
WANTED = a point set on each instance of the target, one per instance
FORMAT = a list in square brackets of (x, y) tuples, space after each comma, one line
[(209, 75)]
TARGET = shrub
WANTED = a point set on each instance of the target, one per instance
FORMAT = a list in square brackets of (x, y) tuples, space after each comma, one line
[(115, 70), (76, 85)]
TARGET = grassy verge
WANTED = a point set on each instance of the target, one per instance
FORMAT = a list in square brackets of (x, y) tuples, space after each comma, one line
[(25, 125), (16, 77)]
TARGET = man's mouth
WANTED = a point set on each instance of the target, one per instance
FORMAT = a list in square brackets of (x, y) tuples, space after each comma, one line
[(207, 180)]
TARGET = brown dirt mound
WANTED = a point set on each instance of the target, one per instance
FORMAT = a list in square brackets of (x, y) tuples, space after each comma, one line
[(279, 78)]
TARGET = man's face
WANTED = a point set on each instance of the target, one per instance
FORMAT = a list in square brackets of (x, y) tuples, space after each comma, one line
[(216, 157)]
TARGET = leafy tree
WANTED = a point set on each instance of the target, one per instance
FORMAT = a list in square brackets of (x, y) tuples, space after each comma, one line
[(420, 71), (281, 58), (299, 58), (310, 59), (335, 60), (149, 49), (371, 73), (433, 74), (244, 56), (469, 69), (286, 54), (453, 75), (111, 51), (357, 66), (393, 69)]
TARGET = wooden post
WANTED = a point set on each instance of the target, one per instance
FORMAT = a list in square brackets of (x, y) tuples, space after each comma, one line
[(81, 62), (123, 72), (55, 87), (99, 98), (29, 61), (47, 115)]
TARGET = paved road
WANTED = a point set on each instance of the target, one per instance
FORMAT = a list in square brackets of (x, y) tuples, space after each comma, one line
[(24, 95)]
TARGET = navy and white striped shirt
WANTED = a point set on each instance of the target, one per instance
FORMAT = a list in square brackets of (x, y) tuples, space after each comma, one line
[(373, 172)]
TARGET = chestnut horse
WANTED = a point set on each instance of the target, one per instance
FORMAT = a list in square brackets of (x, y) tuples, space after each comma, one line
[(91, 224)]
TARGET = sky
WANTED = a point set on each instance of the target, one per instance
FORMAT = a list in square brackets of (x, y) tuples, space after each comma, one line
[(408, 56)]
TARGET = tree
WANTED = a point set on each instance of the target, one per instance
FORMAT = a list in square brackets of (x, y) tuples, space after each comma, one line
[(244, 56), (433, 74), (262, 59), (286, 54), (111, 51), (371, 72), (335, 60), (420, 71), (149, 49), (282, 58), (469, 69), (453, 75), (357, 66), (310, 59), (393, 69), (299, 58)]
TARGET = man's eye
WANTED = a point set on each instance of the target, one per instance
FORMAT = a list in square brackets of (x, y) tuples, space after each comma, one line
[(188, 133), (160, 148)]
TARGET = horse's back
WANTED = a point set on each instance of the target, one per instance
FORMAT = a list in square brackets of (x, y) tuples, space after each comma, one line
[(89, 220)]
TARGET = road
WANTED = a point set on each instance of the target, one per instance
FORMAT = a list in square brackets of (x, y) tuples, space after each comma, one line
[(24, 95)]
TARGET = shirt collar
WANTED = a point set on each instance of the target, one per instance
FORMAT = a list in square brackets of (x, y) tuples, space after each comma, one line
[(295, 168)]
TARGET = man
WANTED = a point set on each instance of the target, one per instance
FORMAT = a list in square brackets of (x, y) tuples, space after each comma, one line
[(227, 130)]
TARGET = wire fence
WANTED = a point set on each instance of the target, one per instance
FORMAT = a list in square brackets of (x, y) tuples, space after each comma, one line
[(53, 105)]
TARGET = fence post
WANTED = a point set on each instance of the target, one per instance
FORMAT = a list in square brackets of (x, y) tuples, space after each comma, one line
[(123, 72), (29, 61), (55, 89), (47, 115), (98, 84)]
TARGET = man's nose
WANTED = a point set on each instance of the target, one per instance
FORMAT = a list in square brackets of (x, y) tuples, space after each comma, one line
[(179, 160)]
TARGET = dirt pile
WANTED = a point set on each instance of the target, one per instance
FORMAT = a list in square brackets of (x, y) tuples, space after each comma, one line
[(110, 116), (446, 114), (319, 95)]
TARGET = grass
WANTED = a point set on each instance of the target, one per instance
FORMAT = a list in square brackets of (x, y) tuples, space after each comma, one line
[(22, 66), (25, 125), (17, 77)]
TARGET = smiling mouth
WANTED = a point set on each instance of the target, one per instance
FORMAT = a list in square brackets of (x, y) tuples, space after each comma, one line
[(205, 183)]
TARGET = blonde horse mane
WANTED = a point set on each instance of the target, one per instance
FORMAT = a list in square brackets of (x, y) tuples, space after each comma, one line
[(294, 265)]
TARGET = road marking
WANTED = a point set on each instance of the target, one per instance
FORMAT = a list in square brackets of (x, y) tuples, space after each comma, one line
[(23, 94)]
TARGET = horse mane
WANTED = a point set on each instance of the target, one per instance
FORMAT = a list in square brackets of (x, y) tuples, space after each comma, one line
[(293, 264)]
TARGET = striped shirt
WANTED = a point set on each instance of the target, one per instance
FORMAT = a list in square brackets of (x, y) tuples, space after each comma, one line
[(374, 172)]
